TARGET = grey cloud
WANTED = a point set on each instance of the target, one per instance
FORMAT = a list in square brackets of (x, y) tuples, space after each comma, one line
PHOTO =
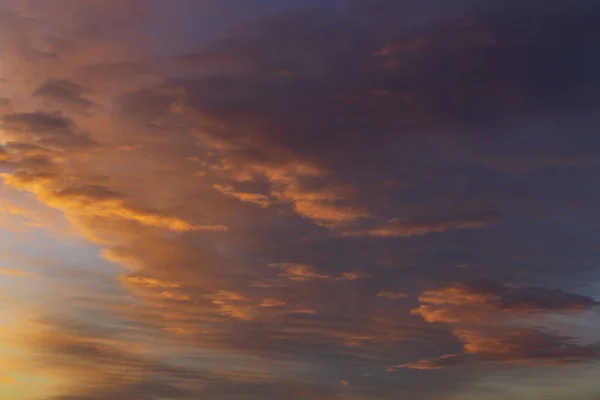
[(329, 67), (527, 299), (46, 129), (530, 345), (39, 122), (429, 130), (5, 106), (95, 192), (491, 321), (448, 360), (525, 346), (65, 93), (539, 298)]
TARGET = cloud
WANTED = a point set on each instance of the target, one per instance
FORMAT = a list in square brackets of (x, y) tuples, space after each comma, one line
[(530, 345), (323, 206), (485, 317), (255, 198), (4, 156), (392, 295), (352, 276), (232, 303), (96, 359), (308, 135), (150, 282), (65, 93), (304, 273), (398, 228), (89, 193), (299, 272), (271, 303), (14, 272), (38, 122), (5, 106), (539, 299), (447, 360), (106, 365), (100, 201), (300, 184), (45, 129), (475, 300)]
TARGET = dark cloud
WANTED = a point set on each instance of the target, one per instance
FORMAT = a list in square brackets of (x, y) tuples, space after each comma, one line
[(94, 192), (502, 298), (484, 316), (524, 346), (336, 100), (542, 299), (399, 228), (5, 106), (448, 360), (45, 129), (529, 346), (64, 92), (440, 130), (424, 122), (39, 122)]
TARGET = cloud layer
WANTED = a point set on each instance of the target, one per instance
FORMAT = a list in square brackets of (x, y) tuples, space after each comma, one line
[(302, 199)]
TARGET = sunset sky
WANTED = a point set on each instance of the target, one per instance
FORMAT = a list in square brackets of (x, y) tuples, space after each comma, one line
[(299, 199)]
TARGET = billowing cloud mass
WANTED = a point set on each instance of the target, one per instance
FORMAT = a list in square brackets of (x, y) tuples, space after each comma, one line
[(259, 199)]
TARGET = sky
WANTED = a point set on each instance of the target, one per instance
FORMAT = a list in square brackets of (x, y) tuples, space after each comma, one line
[(299, 199)]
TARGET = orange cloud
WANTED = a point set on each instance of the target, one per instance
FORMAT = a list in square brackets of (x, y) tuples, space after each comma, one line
[(527, 345), (488, 318), (441, 362), (234, 304), (255, 198), (149, 282), (14, 272), (401, 228), (271, 303), (303, 273), (320, 205), (478, 300), (98, 201), (299, 272), (172, 295), (325, 206), (4, 156)]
